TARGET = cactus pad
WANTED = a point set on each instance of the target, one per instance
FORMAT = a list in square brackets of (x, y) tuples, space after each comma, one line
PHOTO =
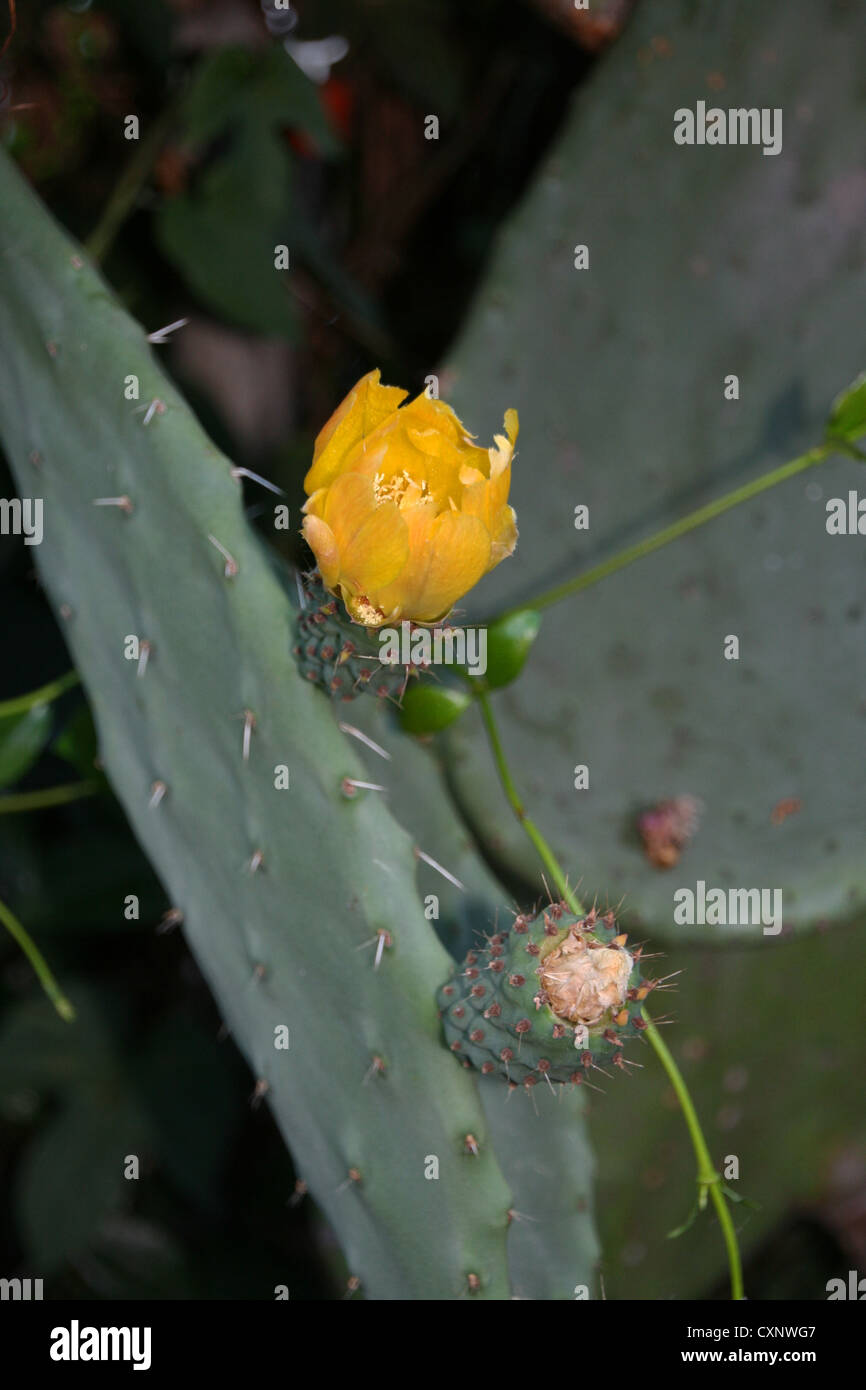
[(551, 998)]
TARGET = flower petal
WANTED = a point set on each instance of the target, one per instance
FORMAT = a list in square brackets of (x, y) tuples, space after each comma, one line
[(377, 553), (403, 593), (428, 412), (459, 556), (504, 537), (321, 540), (349, 501), (476, 500), (405, 512), (315, 503), (367, 405)]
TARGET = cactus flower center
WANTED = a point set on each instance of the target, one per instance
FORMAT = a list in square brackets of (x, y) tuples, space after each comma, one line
[(584, 982)]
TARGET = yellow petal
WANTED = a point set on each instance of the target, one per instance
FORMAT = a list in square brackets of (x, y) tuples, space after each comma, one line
[(476, 500), (442, 462), (500, 456), (469, 476), (367, 405), (497, 493), (315, 505), (320, 538), (370, 538), (403, 593), (459, 557), (388, 452), (482, 498), (405, 511), (503, 537), (377, 553), (425, 412), (349, 501)]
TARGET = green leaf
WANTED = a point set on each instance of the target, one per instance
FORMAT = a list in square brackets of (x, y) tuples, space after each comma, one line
[(736, 1197), (77, 742), (216, 95), (848, 413), (187, 1093), (221, 233), (428, 708), (39, 1052), (71, 1176), (687, 1224), (235, 87), (221, 237), (138, 1258), (22, 739), (509, 642)]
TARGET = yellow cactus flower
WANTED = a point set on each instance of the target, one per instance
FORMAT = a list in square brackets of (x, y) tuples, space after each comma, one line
[(405, 513)]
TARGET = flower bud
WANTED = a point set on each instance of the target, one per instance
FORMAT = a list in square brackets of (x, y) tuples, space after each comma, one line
[(405, 513)]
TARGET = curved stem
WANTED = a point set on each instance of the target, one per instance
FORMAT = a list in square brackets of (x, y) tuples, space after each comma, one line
[(706, 1171), (43, 696), (544, 851), (729, 1235), (51, 796), (681, 527), (708, 1180), (39, 963), (129, 186)]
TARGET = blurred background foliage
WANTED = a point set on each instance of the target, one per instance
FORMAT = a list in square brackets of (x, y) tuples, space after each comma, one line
[(258, 127)]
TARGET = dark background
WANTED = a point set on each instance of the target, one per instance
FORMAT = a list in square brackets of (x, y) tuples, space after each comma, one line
[(389, 235)]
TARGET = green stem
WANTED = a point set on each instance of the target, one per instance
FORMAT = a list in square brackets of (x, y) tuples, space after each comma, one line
[(682, 527), (544, 851), (39, 963), (129, 186), (708, 1180), (51, 796), (43, 696)]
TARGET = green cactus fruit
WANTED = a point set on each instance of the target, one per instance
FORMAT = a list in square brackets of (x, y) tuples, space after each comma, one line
[(554, 997), (509, 642), (341, 656), (427, 709)]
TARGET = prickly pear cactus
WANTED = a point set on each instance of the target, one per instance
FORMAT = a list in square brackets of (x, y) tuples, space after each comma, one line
[(294, 884), (340, 656), (539, 1138), (550, 999)]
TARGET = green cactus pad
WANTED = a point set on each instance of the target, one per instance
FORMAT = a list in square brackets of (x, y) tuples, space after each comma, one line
[(297, 899), (341, 656), (617, 374), (552, 998)]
